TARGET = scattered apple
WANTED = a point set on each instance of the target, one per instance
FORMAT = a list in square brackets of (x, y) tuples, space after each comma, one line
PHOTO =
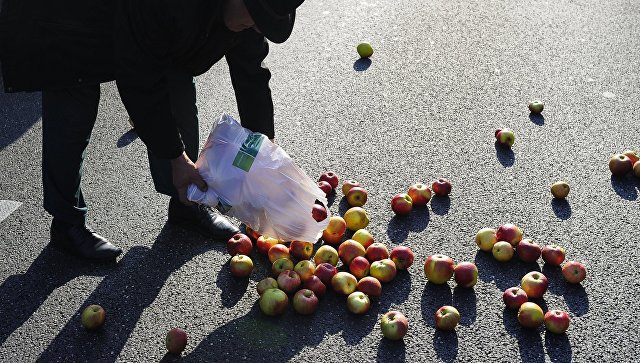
[(344, 283), (239, 244), (359, 267), (383, 270), (364, 237), (358, 302), (536, 106), (441, 187), (560, 189), (447, 318), (620, 164), (305, 302), (534, 284), (553, 255), (502, 251), (330, 177), (530, 315), (365, 50), (350, 249), (528, 250), (335, 230), (326, 254), (278, 251), (302, 250), (633, 155), (636, 169), (357, 197), (176, 341), (394, 325), (93, 317), (465, 274), (438, 269), (265, 284), (281, 264), (509, 232), (556, 321), (319, 212), (420, 194), (505, 137), (314, 284), (370, 286), (325, 271), (574, 272), (305, 269), (402, 256), (486, 238), (264, 243), (241, 266), (376, 251), (325, 187), (356, 218), (273, 302), (346, 186), (401, 204), (514, 297)]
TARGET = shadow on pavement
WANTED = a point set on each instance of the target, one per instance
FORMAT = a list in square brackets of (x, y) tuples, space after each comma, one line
[(505, 155), (537, 119), (399, 226), (18, 113), (574, 294), (127, 138), (391, 351), (561, 208), (464, 299), (558, 347), (529, 340), (445, 343), (362, 64), (626, 187), (503, 274), (440, 205)]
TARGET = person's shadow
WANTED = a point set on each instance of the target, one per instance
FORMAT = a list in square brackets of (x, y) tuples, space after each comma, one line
[(18, 113)]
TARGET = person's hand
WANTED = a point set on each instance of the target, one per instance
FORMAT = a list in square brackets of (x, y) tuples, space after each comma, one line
[(184, 173), (236, 16)]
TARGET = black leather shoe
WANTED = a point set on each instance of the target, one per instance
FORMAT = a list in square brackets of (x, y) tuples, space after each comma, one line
[(202, 219), (82, 241)]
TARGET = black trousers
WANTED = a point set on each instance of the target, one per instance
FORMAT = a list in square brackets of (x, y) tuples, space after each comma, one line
[(68, 117)]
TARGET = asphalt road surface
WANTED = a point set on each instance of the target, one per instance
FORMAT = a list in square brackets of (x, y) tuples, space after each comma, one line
[(444, 75)]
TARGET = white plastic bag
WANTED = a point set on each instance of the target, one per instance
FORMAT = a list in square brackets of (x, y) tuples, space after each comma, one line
[(254, 180)]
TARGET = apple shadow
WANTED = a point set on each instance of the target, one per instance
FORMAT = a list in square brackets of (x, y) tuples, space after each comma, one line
[(464, 299), (445, 343), (362, 64), (561, 208), (574, 295), (503, 274), (391, 350), (529, 341), (433, 298), (399, 226), (505, 155), (440, 205), (233, 288), (20, 111), (127, 138), (537, 118), (558, 347), (344, 206), (626, 186)]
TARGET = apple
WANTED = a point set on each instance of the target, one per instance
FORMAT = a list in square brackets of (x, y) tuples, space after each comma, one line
[(553, 255), (376, 251), (241, 266), (536, 106), (350, 249), (441, 187), (266, 283), (327, 254), (289, 281), (325, 271), (305, 302), (314, 284), (383, 270), (239, 244), (358, 302), (356, 197), (364, 237), (556, 321), (335, 230), (502, 251), (346, 186), (264, 243), (359, 267), (447, 318), (305, 269), (534, 284), (636, 169), (528, 250), (93, 317), (420, 194), (560, 189), (252, 233), (365, 50), (401, 204), (574, 272), (319, 212), (465, 274), (281, 264), (370, 286), (402, 257), (273, 302), (344, 283), (394, 325), (513, 297), (438, 269), (620, 164), (325, 187), (505, 137), (530, 315), (302, 250), (278, 251), (330, 177), (633, 155), (509, 232), (486, 238), (356, 218), (176, 341)]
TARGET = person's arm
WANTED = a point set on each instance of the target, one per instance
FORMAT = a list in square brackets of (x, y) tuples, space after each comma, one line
[(250, 79)]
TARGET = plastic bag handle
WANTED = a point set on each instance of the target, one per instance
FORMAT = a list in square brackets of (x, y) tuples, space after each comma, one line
[(209, 197)]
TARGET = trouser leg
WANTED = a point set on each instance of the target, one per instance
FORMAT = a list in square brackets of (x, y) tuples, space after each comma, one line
[(183, 109), (68, 117)]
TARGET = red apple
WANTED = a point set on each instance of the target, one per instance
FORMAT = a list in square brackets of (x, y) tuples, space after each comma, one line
[(327, 254), (574, 272), (314, 284), (438, 269), (266, 283), (252, 233), (93, 317), (359, 267), (358, 302), (486, 238), (346, 186), (305, 269), (633, 155), (447, 318), (401, 204), (465, 274), (376, 252), (502, 251), (402, 256), (420, 194), (553, 255), (241, 266), (325, 187), (302, 250), (325, 271), (350, 249), (530, 315), (357, 197), (264, 243), (505, 137), (335, 230), (344, 283), (364, 237), (273, 302), (509, 232), (441, 187), (620, 164), (528, 251), (176, 341), (636, 169), (319, 212), (394, 325), (239, 244), (534, 284), (278, 251), (556, 321), (383, 270), (513, 297), (305, 302), (289, 281), (330, 177), (370, 286), (281, 264)]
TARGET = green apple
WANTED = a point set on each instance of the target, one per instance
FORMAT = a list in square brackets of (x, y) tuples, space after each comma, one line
[(365, 50)]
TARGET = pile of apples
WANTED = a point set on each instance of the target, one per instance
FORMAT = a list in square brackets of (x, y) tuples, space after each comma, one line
[(621, 164), (419, 195)]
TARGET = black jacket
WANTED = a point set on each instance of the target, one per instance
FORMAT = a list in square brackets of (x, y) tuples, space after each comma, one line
[(43, 45)]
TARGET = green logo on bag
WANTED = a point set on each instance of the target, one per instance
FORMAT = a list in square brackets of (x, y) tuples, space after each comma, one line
[(248, 151)]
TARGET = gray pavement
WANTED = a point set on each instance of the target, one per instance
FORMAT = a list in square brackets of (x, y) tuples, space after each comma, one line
[(444, 75)]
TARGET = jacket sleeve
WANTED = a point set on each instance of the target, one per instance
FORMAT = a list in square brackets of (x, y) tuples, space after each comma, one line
[(250, 79), (142, 62)]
